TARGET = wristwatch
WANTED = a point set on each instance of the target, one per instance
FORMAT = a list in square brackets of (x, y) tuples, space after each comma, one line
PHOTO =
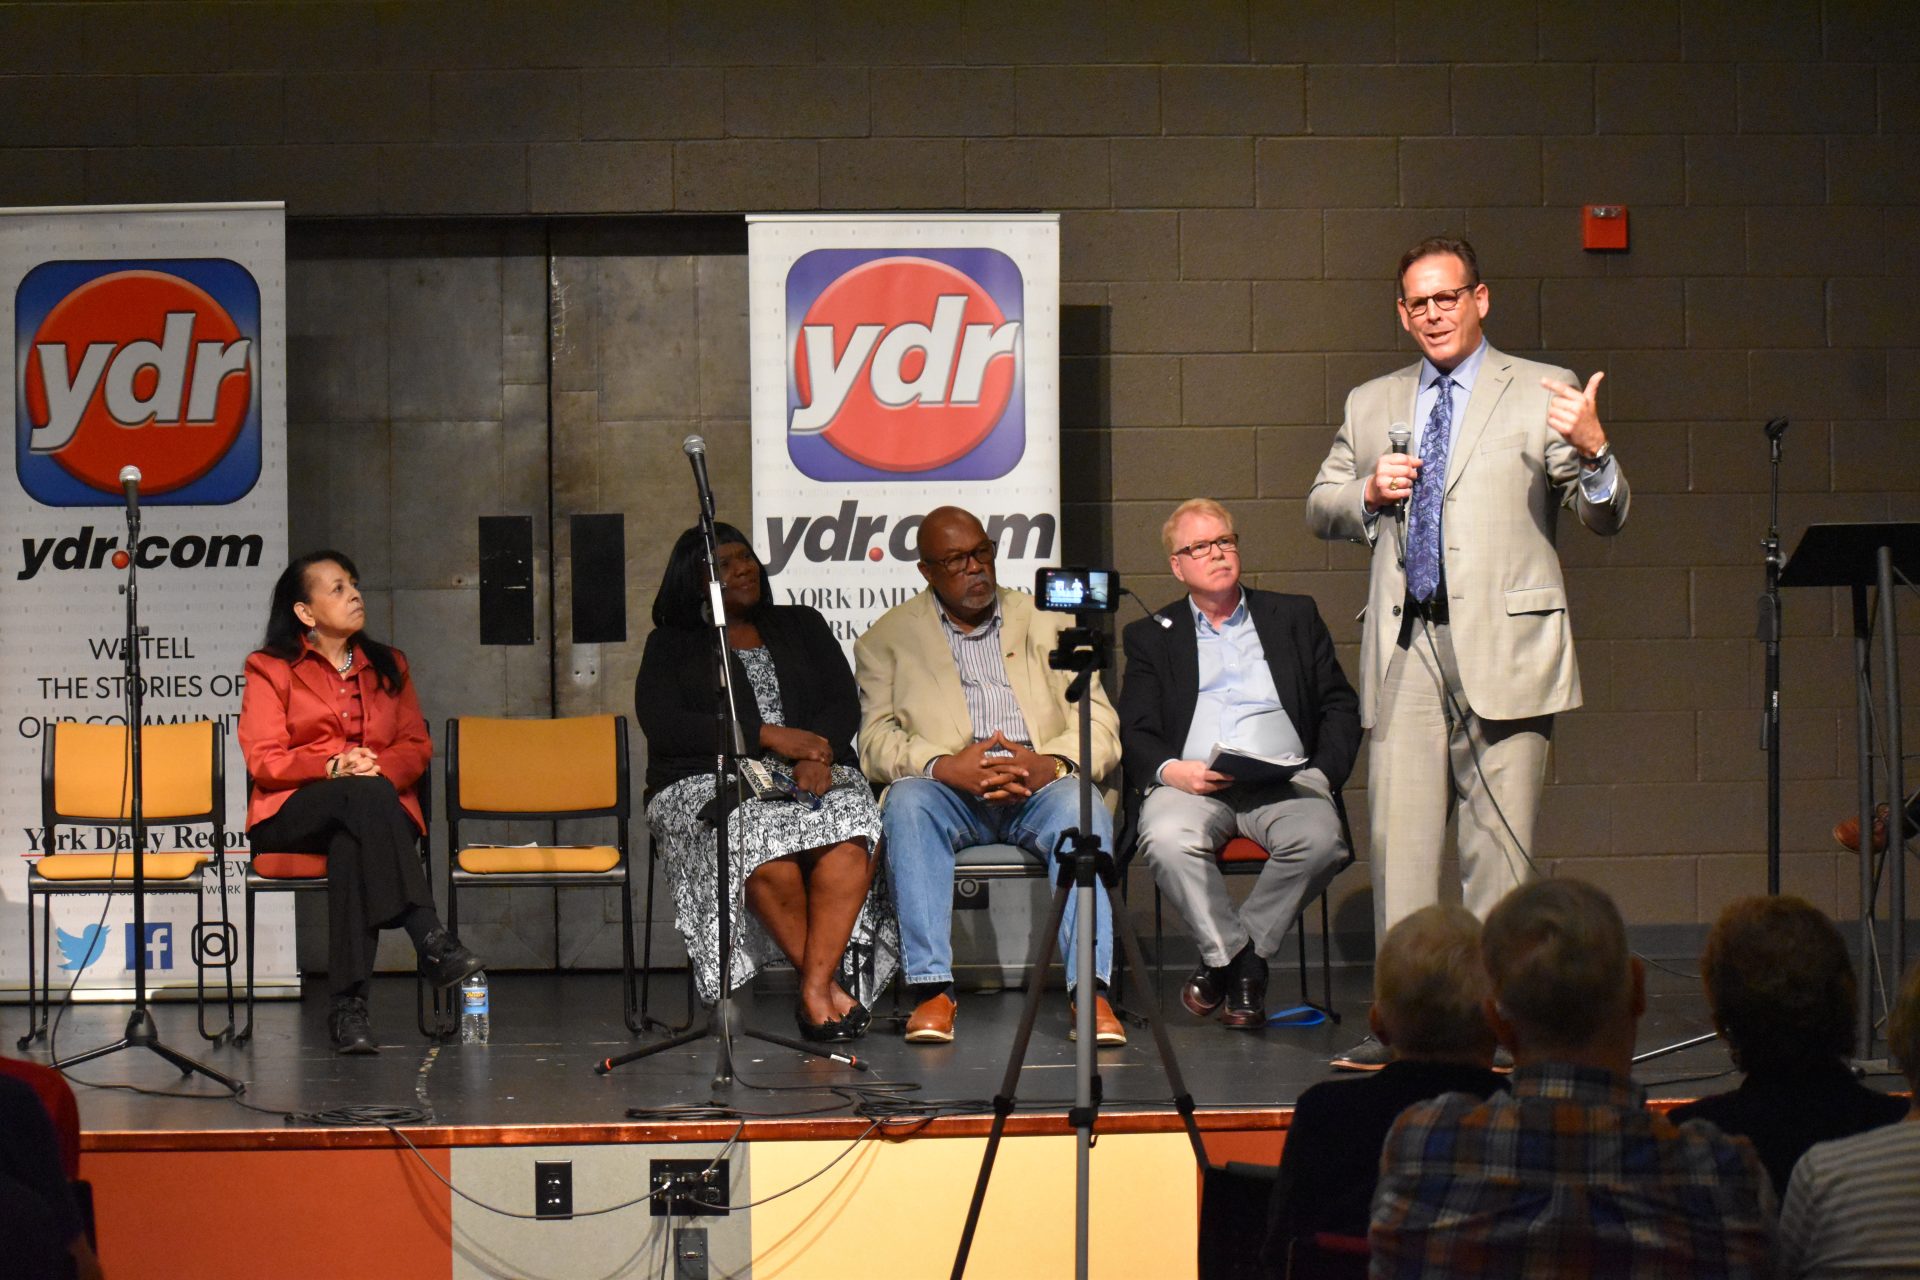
[(1598, 460), (1061, 768)]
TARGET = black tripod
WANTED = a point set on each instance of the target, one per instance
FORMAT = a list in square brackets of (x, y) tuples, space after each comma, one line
[(140, 1033), (1081, 650), (723, 1023)]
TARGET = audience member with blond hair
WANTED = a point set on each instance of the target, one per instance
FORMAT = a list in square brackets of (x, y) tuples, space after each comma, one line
[(1850, 1208), (1428, 989), (1781, 988)]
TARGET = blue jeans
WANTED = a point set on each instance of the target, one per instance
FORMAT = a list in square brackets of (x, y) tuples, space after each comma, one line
[(926, 822)]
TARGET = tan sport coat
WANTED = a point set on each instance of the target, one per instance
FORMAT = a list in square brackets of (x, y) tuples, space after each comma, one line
[(1508, 476), (912, 707)]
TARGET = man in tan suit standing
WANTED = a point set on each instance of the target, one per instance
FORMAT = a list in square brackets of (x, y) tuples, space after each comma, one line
[(1466, 652), (967, 724)]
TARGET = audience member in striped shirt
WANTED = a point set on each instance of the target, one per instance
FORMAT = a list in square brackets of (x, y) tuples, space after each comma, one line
[(962, 717), (1850, 1207)]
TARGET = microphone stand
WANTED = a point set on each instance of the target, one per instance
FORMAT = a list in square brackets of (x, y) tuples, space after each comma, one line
[(1769, 615), (140, 1032), (1769, 635), (723, 1023)]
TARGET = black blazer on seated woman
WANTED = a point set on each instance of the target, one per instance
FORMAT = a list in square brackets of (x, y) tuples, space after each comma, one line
[(674, 694)]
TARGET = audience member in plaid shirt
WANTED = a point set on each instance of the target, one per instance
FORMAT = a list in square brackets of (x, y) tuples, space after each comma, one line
[(1571, 1175)]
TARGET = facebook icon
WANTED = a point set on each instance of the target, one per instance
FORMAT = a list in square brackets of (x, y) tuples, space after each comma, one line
[(159, 946)]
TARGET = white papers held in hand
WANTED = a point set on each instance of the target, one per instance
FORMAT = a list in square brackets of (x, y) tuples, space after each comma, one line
[(1248, 766)]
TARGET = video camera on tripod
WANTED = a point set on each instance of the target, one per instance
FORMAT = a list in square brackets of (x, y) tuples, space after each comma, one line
[(1078, 591)]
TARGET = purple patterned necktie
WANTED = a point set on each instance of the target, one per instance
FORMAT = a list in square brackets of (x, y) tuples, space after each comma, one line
[(1423, 532)]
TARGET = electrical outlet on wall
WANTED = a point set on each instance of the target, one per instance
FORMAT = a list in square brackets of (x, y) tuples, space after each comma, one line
[(553, 1188)]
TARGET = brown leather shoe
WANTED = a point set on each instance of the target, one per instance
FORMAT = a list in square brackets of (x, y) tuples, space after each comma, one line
[(1847, 831), (932, 1022), (1108, 1031)]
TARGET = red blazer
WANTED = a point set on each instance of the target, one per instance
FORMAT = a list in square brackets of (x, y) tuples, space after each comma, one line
[(289, 729)]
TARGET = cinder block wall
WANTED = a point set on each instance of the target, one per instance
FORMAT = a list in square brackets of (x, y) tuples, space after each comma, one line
[(1237, 177)]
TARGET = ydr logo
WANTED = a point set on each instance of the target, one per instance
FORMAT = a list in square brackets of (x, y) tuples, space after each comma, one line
[(905, 363), (152, 363)]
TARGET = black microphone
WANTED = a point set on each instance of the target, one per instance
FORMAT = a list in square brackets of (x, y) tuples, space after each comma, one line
[(1776, 428), (130, 485), (696, 450), (1399, 440)]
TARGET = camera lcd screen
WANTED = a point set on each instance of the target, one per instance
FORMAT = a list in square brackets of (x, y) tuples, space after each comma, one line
[(1077, 590)]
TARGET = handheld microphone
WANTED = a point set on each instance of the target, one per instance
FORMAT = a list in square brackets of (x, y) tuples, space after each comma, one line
[(696, 450), (130, 486), (1399, 440)]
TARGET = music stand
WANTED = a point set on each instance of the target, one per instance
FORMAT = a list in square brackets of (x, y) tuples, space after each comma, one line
[(1854, 556)]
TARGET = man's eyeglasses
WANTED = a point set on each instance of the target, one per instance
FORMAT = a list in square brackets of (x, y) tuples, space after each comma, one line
[(1227, 544), (981, 555), (1445, 300)]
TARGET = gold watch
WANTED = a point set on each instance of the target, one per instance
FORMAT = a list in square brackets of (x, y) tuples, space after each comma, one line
[(1060, 768)]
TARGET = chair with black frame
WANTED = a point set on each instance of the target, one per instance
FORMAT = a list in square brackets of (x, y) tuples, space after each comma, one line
[(277, 871), (84, 783), (501, 770), (1241, 856)]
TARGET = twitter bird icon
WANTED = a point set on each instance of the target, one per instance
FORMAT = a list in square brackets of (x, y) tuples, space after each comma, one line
[(79, 951)]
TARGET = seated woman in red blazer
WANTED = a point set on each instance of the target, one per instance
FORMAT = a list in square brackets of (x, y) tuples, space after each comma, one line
[(334, 739)]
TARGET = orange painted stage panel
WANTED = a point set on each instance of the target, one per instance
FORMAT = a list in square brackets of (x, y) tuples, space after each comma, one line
[(240, 1215)]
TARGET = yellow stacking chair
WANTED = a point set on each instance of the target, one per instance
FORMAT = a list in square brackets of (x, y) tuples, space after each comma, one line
[(85, 783), (542, 770)]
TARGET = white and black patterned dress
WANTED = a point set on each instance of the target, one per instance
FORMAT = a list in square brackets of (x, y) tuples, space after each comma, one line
[(758, 832)]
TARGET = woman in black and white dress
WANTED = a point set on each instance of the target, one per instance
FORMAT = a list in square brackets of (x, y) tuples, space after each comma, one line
[(804, 866)]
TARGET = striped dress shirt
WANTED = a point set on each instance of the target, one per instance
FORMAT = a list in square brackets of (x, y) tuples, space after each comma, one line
[(1850, 1208), (980, 656)]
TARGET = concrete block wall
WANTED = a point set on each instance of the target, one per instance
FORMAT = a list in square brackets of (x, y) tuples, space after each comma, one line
[(1236, 178)]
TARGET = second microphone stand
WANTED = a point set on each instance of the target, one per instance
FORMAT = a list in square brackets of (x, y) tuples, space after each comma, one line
[(723, 1023)]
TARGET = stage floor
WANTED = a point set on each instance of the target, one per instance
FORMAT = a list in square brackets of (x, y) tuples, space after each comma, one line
[(550, 1030)]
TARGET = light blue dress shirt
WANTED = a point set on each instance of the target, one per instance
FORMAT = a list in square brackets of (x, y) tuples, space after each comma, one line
[(1238, 705)]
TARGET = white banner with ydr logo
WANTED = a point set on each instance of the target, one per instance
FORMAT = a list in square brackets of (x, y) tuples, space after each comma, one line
[(151, 338), (898, 365)]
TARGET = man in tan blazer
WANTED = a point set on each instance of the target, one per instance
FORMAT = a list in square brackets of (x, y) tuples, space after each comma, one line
[(970, 728), (1466, 651)]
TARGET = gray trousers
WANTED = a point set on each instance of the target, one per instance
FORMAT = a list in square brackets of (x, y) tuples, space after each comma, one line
[(1181, 834), (1425, 764)]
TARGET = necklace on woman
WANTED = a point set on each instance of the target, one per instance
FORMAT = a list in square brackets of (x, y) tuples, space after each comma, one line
[(345, 666)]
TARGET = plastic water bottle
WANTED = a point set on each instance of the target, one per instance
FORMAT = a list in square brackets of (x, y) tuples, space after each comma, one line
[(475, 1021)]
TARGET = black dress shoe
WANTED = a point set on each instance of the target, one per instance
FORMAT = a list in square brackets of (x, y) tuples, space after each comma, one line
[(1205, 990), (1247, 992), (832, 1031), (347, 1023), (1246, 1003), (444, 962)]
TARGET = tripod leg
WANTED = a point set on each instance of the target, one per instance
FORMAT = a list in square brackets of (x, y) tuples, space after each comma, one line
[(647, 1051), (189, 1067), (1150, 1005), (1009, 1082)]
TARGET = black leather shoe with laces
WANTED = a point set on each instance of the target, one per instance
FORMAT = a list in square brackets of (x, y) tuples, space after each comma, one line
[(349, 1026), (444, 962)]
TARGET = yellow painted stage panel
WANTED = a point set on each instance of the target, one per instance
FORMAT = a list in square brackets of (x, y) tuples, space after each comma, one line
[(897, 1209)]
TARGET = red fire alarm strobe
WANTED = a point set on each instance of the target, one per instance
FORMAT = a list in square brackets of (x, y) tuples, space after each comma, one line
[(1604, 226)]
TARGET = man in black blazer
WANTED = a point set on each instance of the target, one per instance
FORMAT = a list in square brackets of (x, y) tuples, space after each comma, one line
[(1253, 671)]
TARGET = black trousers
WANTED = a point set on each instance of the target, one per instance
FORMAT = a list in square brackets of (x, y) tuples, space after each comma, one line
[(374, 876)]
